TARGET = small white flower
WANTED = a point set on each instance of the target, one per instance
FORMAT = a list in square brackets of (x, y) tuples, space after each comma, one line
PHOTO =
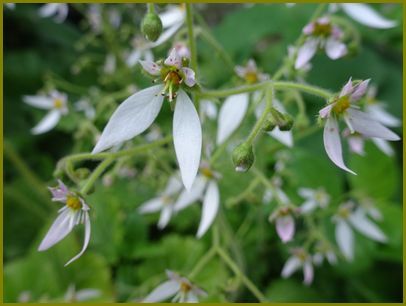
[(324, 251), (72, 295), (313, 198), (180, 288), (55, 102), (59, 10), (346, 219), (356, 120), (84, 105), (139, 111), (74, 212), (182, 49), (299, 260), (250, 73), (320, 34)]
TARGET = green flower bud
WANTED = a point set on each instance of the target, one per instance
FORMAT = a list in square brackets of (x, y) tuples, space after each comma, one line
[(287, 123), (243, 157), (269, 124), (82, 173), (151, 26)]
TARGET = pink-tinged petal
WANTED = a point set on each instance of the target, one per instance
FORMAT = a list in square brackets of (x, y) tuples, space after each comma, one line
[(335, 49), (359, 90), (165, 217), (347, 89), (190, 79), (131, 118), (308, 29), (323, 20), (151, 206), (365, 15), (325, 111), (163, 292), (188, 197), (172, 16), (59, 230), (332, 144), (368, 127), (384, 146), (345, 239), (42, 102), (305, 53), (308, 272), (336, 32), (210, 208), (86, 239), (173, 59), (187, 138), (151, 67), (356, 145), (380, 114), (285, 227), (361, 223), (240, 71), (291, 266), (47, 123), (59, 193)]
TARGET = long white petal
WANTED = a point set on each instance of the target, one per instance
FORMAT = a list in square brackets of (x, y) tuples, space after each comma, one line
[(291, 266), (305, 53), (345, 239), (163, 292), (308, 272), (361, 223), (332, 143), (59, 230), (335, 49), (210, 208), (151, 206), (165, 217), (42, 102), (131, 118), (284, 137), (187, 138), (365, 15), (86, 240), (383, 145), (188, 197), (368, 126), (380, 114), (231, 114), (47, 123)]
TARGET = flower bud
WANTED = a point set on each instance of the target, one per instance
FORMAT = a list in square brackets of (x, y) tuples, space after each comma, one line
[(287, 123), (269, 124), (243, 157), (82, 173), (151, 26)]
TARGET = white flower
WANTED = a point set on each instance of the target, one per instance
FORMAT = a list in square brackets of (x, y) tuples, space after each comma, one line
[(140, 51), (55, 102), (324, 251), (346, 219), (207, 109), (84, 105), (164, 202), (300, 259), (276, 193), (74, 212), (182, 49), (320, 34), (250, 73), (139, 111), (365, 15), (59, 10), (284, 222), (314, 198), (356, 120), (205, 188), (179, 287), (72, 295)]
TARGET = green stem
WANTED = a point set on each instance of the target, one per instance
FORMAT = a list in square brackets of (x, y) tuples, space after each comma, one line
[(192, 41), (260, 122), (247, 282), (202, 262), (151, 8), (95, 175)]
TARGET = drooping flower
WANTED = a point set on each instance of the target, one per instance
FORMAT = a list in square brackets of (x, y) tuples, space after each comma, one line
[(356, 120), (58, 10), (55, 102), (321, 34), (84, 105), (74, 212), (348, 218), (180, 288), (364, 14), (164, 202), (300, 259), (139, 111), (313, 198)]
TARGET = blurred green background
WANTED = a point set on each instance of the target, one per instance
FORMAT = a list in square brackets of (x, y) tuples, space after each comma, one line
[(128, 255)]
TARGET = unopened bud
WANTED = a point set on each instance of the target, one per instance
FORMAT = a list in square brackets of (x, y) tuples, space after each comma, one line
[(269, 124), (287, 123), (151, 26), (82, 173), (243, 157)]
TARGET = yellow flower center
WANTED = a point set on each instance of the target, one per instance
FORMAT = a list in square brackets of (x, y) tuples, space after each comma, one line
[(251, 77), (166, 200), (58, 103), (341, 105), (185, 287), (344, 212), (73, 202), (207, 172), (322, 29)]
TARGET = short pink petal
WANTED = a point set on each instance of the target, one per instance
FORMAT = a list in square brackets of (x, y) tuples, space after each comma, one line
[(190, 79), (285, 227), (305, 53), (359, 90), (151, 67), (173, 59)]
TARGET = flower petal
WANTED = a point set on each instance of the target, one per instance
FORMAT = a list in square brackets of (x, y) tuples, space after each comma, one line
[(291, 266), (369, 127), (345, 239), (131, 118), (47, 123), (173, 59), (285, 227), (86, 240), (163, 292), (188, 197), (308, 206), (191, 298), (332, 143), (361, 223), (380, 114), (365, 15), (151, 67), (308, 273), (151, 206), (384, 146), (187, 138), (305, 53), (230, 116), (210, 208), (284, 137), (335, 49), (173, 15), (165, 217), (48, 10), (62, 12), (174, 185), (59, 230), (306, 193), (347, 89), (360, 90), (42, 102), (189, 76)]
